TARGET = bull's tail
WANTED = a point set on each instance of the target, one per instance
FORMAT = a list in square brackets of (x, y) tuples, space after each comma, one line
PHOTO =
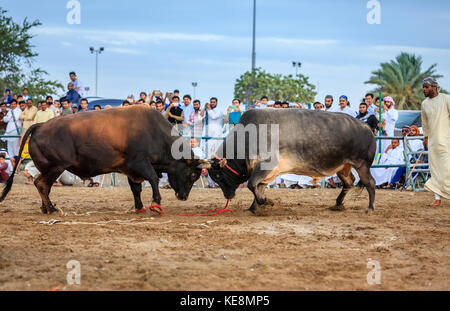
[(10, 180)]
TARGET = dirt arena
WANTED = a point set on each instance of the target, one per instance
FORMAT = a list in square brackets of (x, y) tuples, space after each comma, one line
[(300, 244)]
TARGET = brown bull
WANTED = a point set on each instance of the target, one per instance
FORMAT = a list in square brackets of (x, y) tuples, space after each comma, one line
[(135, 141)]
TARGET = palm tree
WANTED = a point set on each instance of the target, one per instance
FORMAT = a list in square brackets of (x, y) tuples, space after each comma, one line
[(402, 80)]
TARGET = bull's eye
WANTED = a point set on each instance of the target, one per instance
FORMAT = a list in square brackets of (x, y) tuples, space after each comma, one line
[(217, 176), (193, 176)]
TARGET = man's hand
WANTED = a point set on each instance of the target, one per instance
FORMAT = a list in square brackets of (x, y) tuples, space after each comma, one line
[(228, 110), (425, 142), (388, 148)]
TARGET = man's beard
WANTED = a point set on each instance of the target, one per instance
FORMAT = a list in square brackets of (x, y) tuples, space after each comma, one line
[(328, 106)]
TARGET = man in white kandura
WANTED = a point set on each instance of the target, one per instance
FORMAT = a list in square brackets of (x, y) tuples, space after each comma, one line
[(392, 155), (436, 129)]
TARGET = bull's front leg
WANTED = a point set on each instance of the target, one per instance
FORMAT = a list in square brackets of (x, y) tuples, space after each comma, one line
[(260, 198)]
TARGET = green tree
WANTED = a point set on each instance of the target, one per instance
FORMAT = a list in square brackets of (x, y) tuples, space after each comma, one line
[(402, 80), (16, 60), (276, 87)]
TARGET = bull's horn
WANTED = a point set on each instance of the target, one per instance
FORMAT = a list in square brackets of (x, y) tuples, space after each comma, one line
[(223, 162), (205, 163)]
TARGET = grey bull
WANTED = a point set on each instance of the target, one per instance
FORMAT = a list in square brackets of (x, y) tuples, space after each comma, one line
[(270, 142)]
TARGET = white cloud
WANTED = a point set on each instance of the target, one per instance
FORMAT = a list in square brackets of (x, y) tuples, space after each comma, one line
[(135, 37), (127, 51)]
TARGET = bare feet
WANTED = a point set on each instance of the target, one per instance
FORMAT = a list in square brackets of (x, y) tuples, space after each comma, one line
[(436, 203), (57, 184), (29, 183)]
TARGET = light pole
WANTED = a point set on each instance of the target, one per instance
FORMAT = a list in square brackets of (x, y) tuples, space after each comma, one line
[(99, 51), (296, 65), (194, 85), (253, 54)]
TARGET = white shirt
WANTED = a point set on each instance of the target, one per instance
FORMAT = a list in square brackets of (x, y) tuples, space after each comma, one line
[(187, 111), (215, 122), (77, 83), (390, 116), (347, 110), (11, 127)]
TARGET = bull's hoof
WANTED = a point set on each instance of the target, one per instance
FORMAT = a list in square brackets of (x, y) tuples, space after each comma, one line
[(269, 202), (337, 208), (43, 209), (52, 210), (370, 211), (138, 211), (261, 212)]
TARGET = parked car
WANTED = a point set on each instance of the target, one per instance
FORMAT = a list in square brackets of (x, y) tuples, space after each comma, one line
[(408, 117), (93, 101)]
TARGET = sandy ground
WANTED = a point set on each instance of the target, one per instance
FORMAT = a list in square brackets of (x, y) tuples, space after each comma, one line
[(300, 244)]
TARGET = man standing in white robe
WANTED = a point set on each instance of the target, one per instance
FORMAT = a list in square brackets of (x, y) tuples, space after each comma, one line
[(13, 128), (392, 155), (436, 129), (213, 127)]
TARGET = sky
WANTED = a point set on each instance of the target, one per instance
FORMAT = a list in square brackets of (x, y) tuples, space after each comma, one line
[(167, 45)]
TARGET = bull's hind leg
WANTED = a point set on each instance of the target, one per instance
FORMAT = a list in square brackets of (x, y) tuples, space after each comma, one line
[(44, 184), (347, 179), (136, 188), (369, 182), (144, 169)]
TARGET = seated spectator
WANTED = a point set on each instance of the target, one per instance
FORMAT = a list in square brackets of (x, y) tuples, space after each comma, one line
[(57, 105), (44, 114), (367, 117), (152, 105), (234, 112), (97, 107), (67, 107), (277, 104), (198, 152), (415, 145), (318, 106), (108, 107), (84, 105), (30, 172), (284, 105), (72, 95), (74, 108), (3, 169), (125, 103), (392, 155)]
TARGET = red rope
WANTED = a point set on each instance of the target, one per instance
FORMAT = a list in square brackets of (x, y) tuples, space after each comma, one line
[(217, 212), (152, 208)]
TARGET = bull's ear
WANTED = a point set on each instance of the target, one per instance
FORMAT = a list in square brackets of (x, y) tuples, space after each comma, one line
[(190, 161), (223, 162), (205, 163)]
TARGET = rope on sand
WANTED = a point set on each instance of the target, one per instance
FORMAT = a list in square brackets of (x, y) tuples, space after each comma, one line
[(131, 222)]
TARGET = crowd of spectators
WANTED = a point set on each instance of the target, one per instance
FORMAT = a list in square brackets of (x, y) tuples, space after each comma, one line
[(197, 120)]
